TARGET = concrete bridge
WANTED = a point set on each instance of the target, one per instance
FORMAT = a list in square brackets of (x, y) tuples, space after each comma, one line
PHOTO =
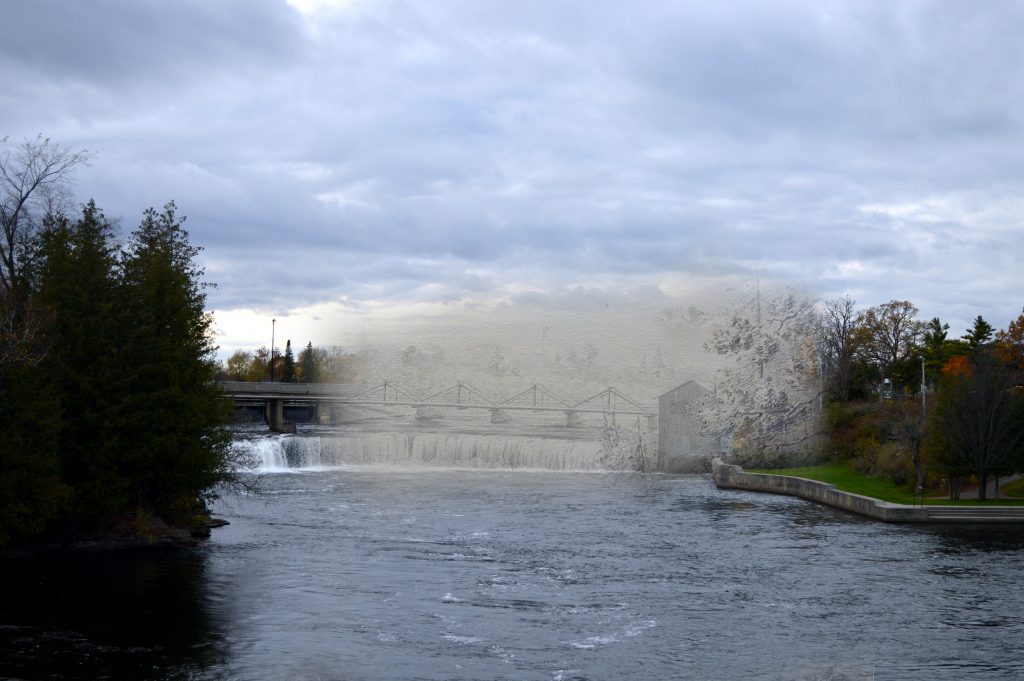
[(323, 397)]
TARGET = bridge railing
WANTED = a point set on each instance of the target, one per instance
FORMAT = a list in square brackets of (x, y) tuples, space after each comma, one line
[(460, 394), (278, 389)]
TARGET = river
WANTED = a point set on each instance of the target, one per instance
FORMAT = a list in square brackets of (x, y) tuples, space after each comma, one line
[(438, 572)]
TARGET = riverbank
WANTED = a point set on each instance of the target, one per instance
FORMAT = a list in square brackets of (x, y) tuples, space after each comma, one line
[(128, 533), (730, 476), (848, 479)]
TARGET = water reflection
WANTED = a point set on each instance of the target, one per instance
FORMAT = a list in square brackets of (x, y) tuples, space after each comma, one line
[(126, 614), (969, 539)]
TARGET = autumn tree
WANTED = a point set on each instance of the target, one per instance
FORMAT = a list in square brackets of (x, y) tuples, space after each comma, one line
[(260, 365), (336, 365), (237, 365), (977, 421), (888, 338), (1009, 346)]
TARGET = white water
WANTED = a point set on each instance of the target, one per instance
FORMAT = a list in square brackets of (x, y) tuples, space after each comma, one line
[(283, 453)]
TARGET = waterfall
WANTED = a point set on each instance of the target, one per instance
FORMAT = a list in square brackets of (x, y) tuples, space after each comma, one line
[(279, 453)]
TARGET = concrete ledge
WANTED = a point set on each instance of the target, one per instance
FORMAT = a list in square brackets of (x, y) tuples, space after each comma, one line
[(729, 476)]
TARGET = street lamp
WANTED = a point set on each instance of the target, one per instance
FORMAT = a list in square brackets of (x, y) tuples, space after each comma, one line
[(924, 389), (273, 326)]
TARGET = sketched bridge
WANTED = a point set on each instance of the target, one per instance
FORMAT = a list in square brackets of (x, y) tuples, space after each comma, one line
[(322, 398)]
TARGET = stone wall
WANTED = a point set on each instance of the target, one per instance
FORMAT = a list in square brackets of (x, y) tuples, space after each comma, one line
[(734, 477)]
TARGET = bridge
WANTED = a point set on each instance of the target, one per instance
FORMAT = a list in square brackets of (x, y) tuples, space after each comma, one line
[(323, 397)]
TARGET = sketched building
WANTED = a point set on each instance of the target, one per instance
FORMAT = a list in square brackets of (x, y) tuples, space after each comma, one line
[(685, 444)]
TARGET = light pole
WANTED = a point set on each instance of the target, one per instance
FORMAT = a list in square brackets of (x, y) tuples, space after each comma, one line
[(924, 388), (273, 327)]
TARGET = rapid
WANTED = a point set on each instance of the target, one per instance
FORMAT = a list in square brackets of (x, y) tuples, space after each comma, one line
[(417, 556)]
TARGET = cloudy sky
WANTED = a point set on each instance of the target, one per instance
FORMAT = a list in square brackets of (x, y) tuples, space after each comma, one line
[(350, 161)]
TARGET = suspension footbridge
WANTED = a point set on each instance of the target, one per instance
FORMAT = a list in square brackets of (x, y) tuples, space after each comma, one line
[(323, 399)]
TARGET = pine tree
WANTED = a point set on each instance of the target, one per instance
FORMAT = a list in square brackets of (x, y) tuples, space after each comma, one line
[(112, 408), (309, 372), (76, 279), (938, 348), (31, 492), (288, 366), (980, 333), (171, 423)]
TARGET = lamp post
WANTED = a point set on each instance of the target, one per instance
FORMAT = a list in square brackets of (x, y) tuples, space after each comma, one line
[(273, 327), (924, 388)]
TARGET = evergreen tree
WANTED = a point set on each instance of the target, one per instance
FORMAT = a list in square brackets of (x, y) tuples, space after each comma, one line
[(938, 348), (309, 372), (31, 491), (288, 366), (107, 394), (76, 279), (170, 426), (980, 334)]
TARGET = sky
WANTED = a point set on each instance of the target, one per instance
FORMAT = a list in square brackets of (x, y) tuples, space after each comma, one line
[(352, 166)]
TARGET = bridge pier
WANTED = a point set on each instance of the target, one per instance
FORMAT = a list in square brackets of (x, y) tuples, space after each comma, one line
[(324, 413), (275, 415), (427, 413), (572, 419), (500, 416), (652, 422)]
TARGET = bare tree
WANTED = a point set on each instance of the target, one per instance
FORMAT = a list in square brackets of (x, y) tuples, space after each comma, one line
[(838, 344), (907, 422), (33, 183)]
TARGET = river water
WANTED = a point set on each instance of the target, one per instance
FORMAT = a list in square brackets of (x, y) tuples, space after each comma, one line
[(435, 572)]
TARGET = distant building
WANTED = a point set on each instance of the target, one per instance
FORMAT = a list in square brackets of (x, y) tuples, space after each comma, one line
[(684, 445)]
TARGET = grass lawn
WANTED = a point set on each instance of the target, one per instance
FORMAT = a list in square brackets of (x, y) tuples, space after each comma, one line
[(845, 478)]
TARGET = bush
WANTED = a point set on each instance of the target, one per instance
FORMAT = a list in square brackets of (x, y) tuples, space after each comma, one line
[(771, 459)]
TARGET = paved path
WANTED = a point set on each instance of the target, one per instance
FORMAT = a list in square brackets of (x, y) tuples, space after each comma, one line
[(991, 489)]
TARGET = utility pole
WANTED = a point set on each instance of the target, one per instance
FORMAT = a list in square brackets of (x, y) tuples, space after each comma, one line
[(273, 325)]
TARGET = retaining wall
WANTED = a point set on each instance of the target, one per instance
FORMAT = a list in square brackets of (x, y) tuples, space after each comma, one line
[(730, 476)]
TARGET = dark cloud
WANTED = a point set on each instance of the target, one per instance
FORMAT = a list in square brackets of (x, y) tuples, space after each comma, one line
[(113, 43), (393, 152)]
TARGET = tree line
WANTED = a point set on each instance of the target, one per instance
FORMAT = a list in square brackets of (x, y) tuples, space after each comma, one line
[(111, 415), (313, 365), (955, 403)]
